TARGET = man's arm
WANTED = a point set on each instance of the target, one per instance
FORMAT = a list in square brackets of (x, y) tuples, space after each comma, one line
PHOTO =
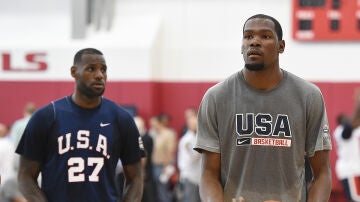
[(210, 186), (27, 175), (133, 189), (320, 188)]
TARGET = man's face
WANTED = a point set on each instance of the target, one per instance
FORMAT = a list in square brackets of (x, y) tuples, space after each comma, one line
[(90, 75), (260, 45)]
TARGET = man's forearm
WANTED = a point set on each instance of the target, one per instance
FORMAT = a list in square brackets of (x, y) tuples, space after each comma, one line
[(320, 189), (133, 190), (211, 190), (31, 191)]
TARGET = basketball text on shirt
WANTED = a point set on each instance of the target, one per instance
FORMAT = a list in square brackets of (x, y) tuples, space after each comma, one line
[(268, 131)]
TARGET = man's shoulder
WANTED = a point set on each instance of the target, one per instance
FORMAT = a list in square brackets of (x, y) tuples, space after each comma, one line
[(61, 100), (225, 83), (230, 79), (169, 132), (301, 83), (106, 102), (111, 107), (188, 136), (20, 122), (6, 143)]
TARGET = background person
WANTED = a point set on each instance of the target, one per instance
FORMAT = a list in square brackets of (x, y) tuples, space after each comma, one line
[(163, 156), (347, 138), (189, 162), (17, 129)]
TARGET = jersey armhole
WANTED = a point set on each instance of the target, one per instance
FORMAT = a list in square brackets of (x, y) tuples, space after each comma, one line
[(53, 105)]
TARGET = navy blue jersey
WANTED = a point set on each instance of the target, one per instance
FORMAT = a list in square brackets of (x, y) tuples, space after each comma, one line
[(78, 149)]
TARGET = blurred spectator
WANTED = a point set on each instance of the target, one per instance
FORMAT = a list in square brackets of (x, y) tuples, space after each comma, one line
[(163, 155), (165, 120), (8, 188), (347, 165), (189, 112), (10, 193), (189, 161), (150, 192), (7, 155), (17, 129), (19, 125)]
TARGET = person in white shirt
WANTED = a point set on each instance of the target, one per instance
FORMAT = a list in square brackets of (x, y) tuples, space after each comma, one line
[(189, 162), (8, 185), (7, 155), (19, 125), (347, 167)]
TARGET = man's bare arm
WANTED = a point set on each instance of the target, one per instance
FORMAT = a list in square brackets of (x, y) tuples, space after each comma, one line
[(320, 188), (210, 186), (28, 173), (134, 182)]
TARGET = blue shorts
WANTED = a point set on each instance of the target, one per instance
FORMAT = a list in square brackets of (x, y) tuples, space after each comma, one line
[(352, 188)]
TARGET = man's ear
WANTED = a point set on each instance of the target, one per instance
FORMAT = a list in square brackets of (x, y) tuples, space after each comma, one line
[(73, 71), (281, 46)]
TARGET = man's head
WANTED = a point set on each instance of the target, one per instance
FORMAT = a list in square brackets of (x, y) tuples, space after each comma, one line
[(262, 42), (342, 119), (191, 119), (89, 71), (190, 112), (164, 119), (3, 130), (29, 109)]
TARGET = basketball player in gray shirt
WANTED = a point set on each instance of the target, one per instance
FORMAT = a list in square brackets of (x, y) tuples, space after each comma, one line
[(256, 127)]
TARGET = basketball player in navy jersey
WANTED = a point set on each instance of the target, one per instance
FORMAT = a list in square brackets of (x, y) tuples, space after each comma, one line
[(75, 143)]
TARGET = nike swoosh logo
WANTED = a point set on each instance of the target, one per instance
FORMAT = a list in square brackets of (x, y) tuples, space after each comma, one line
[(104, 124), (242, 141)]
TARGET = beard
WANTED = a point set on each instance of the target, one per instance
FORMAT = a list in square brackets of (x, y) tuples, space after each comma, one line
[(89, 92), (255, 67)]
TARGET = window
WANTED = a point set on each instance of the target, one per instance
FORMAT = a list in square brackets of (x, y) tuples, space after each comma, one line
[(312, 3), (334, 25), (336, 4), (305, 24)]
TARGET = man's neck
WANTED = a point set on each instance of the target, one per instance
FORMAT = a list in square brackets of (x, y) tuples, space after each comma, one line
[(84, 101), (264, 80)]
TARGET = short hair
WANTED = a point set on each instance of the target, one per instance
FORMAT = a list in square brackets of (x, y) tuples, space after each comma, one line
[(30, 108), (278, 28), (342, 118), (163, 117), (80, 53)]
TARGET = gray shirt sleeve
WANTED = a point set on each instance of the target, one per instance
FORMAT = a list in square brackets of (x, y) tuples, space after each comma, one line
[(207, 137), (317, 126)]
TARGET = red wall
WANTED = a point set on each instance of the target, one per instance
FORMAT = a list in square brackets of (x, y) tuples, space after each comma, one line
[(152, 98)]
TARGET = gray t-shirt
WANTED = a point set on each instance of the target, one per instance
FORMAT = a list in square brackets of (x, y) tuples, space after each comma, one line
[(263, 137)]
